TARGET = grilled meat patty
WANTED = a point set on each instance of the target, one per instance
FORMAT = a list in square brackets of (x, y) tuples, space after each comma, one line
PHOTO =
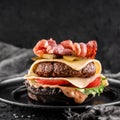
[(56, 69)]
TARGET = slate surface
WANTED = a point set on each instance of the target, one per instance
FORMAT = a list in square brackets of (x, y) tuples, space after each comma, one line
[(14, 62)]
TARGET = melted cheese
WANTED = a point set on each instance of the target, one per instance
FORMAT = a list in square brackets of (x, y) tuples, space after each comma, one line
[(76, 81), (76, 65)]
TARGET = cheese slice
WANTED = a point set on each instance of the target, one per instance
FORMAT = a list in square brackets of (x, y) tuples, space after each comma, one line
[(76, 65), (76, 81)]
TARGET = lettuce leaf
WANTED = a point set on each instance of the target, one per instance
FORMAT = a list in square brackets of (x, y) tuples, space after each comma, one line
[(96, 90), (103, 78)]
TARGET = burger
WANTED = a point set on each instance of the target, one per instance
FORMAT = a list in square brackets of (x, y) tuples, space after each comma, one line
[(64, 73)]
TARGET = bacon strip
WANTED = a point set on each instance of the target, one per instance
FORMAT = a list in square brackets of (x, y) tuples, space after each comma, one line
[(67, 44), (40, 47), (91, 49), (66, 47), (77, 49)]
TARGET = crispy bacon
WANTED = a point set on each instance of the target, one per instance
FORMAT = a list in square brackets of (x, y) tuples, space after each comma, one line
[(83, 50), (67, 44), (40, 47), (77, 49), (51, 45), (91, 49), (66, 47), (52, 42), (67, 52), (58, 49)]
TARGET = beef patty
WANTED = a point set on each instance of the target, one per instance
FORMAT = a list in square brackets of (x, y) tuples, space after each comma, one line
[(56, 69)]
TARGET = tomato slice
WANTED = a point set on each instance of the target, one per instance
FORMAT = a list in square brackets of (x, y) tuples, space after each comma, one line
[(52, 81), (95, 83)]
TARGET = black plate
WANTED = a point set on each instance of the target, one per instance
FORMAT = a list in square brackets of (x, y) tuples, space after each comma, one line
[(13, 91)]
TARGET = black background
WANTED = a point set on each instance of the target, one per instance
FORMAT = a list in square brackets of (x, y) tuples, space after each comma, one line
[(24, 22)]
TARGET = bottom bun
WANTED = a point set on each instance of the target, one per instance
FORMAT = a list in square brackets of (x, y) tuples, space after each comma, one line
[(48, 95), (50, 99)]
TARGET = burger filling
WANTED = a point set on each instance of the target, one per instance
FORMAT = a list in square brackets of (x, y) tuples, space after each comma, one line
[(38, 91), (74, 80)]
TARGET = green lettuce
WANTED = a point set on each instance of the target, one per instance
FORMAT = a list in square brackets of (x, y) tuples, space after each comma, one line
[(95, 90)]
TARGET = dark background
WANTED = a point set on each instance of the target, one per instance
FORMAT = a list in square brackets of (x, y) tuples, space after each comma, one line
[(24, 22)]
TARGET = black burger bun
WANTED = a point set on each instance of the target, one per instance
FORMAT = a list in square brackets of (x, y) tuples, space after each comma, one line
[(47, 95)]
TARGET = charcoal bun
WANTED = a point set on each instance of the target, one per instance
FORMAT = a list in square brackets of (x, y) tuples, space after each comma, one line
[(48, 95)]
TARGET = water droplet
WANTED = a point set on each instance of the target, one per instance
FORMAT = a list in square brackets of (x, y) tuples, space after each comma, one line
[(33, 115), (23, 116), (29, 116), (16, 116)]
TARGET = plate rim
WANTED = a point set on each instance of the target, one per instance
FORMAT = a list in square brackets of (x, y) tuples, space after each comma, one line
[(57, 106)]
